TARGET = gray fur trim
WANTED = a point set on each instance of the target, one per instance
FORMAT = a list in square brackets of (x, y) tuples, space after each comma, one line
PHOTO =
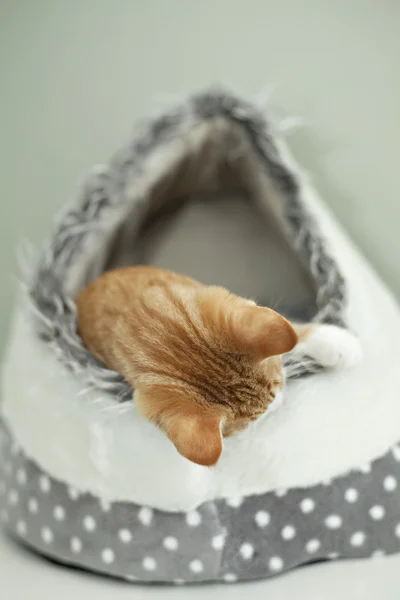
[(106, 191)]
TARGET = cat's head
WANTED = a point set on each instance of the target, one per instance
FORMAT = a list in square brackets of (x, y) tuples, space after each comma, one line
[(215, 367)]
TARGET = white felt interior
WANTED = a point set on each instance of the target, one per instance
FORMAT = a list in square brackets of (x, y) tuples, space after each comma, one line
[(222, 234), (224, 242), (327, 425)]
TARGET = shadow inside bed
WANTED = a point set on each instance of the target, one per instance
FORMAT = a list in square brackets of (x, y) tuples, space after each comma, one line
[(225, 240)]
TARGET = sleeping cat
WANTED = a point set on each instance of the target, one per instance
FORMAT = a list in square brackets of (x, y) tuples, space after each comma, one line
[(204, 363)]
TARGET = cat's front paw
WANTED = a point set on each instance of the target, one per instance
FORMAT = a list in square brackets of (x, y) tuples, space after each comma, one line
[(333, 347)]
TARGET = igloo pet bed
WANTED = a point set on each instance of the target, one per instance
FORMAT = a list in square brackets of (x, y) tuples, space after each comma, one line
[(87, 482)]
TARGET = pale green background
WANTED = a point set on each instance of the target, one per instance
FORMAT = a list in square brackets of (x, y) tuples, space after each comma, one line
[(76, 75)]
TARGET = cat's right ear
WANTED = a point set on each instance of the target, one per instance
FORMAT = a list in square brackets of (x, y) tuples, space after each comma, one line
[(262, 332), (247, 328), (194, 430)]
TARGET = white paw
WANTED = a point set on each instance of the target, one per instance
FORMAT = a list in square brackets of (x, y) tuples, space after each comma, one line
[(332, 346)]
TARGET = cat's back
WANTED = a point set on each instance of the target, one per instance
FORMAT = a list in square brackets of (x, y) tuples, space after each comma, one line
[(137, 296), (116, 289)]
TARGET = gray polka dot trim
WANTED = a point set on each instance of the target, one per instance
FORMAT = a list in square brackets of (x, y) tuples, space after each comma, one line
[(357, 515)]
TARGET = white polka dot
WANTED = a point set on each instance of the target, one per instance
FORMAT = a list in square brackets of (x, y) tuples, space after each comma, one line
[(105, 505), (107, 556), (33, 506), (21, 528), (89, 523), (145, 515), (333, 522), (149, 564), (378, 554), (351, 495), (377, 512), (390, 483), (397, 530), (179, 581), (44, 483), (313, 546), (275, 563), (246, 551), (196, 566), (13, 497), (21, 477), (365, 468), (307, 505), (76, 545), (47, 535), (218, 542), (170, 543), (280, 493), (230, 577), (73, 493), (326, 481), (130, 578), (333, 555), (357, 539), (288, 532), (396, 453), (262, 518), (234, 502), (59, 513), (125, 536), (193, 518)]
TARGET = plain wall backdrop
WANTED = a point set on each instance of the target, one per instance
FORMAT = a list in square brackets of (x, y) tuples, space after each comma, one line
[(76, 75)]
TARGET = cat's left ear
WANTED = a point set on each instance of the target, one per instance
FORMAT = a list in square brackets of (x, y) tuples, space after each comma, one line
[(197, 437), (194, 430)]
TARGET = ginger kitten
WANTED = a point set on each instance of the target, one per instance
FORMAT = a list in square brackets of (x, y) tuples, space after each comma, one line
[(204, 363)]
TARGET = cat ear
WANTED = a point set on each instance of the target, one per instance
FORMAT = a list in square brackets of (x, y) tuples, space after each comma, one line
[(263, 332), (197, 437), (194, 430), (246, 327)]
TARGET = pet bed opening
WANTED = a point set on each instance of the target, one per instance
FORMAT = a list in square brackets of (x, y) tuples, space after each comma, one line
[(206, 193), (209, 211)]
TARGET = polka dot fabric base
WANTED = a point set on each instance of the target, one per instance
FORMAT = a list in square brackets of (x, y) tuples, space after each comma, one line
[(357, 515)]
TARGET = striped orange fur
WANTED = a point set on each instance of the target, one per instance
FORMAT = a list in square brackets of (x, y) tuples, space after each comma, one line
[(204, 363)]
